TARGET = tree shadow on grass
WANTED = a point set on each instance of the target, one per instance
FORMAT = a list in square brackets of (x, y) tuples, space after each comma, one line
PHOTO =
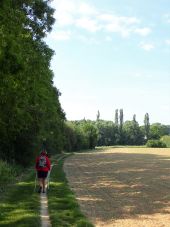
[(21, 206), (121, 185)]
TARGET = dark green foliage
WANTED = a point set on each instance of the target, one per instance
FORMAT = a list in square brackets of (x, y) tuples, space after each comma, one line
[(157, 130), (30, 110), (132, 133), (7, 174), (86, 134), (80, 135), (155, 143), (108, 133)]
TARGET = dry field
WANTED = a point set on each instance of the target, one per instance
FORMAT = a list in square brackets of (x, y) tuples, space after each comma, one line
[(127, 187)]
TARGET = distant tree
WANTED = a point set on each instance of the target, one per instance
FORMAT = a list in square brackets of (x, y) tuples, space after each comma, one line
[(121, 134), (107, 133), (146, 125), (98, 116), (134, 118), (132, 132), (90, 132), (120, 119), (157, 130), (80, 135), (116, 117)]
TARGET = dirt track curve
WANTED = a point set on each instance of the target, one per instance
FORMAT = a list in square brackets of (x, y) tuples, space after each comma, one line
[(122, 187)]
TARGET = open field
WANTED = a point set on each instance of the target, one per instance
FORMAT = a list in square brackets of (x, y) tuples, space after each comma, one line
[(122, 186)]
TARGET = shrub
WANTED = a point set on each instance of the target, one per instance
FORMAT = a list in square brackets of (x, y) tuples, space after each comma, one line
[(155, 143), (7, 174), (166, 140)]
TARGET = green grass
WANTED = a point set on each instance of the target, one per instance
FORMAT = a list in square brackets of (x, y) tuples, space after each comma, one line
[(20, 205), (63, 208)]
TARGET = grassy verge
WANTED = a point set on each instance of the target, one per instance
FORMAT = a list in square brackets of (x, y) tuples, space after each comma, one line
[(20, 205), (63, 208)]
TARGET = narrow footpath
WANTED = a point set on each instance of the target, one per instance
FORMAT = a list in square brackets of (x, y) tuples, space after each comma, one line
[(45, 220)]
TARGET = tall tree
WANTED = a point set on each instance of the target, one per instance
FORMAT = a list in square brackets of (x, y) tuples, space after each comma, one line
[(146, 125), (134, 118), (116, 117), (98, 115), (120, 119), (132, 132)]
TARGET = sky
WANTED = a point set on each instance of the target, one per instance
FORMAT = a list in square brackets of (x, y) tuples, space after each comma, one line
[(112, 55)]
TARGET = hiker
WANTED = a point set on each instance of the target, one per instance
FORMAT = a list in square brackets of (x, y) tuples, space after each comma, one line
[(43, 166)]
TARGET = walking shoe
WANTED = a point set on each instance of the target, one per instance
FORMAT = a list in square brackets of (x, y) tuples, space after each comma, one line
[(39, 190)]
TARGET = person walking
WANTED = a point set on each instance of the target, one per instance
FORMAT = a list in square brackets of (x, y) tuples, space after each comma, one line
[(43, 166)]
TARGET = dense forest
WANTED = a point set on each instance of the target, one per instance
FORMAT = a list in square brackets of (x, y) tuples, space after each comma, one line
[(30, 111)]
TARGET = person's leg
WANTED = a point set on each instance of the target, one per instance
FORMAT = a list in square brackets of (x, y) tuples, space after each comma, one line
[(40, 181), (39, 174)]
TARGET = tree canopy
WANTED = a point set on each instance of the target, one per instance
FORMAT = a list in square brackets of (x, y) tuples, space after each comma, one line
[(30, 110)]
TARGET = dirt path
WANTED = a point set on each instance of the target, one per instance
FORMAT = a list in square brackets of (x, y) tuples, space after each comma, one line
[(122, 187), (45, 220)]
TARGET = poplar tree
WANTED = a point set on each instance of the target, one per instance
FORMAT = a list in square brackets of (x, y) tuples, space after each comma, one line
[(146, 126), (120, 119), (116, 117), (98, 116)]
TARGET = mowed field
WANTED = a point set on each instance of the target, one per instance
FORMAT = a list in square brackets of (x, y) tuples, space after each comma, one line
[(122, 187)]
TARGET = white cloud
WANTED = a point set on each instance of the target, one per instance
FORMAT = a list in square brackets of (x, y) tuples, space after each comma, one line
[(142, 31), (78, 14), (167, 41), (88, 24), (86, 9), (147, 46), (61, 35), (118, 24)]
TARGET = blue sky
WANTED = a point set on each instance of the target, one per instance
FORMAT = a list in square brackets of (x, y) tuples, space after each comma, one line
[(110, 55)]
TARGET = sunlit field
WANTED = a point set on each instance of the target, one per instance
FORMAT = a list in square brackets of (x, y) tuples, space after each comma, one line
[(122, 186)]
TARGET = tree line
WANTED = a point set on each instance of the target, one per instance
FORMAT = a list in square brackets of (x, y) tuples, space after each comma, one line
[(86, 134), (30, 111)]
